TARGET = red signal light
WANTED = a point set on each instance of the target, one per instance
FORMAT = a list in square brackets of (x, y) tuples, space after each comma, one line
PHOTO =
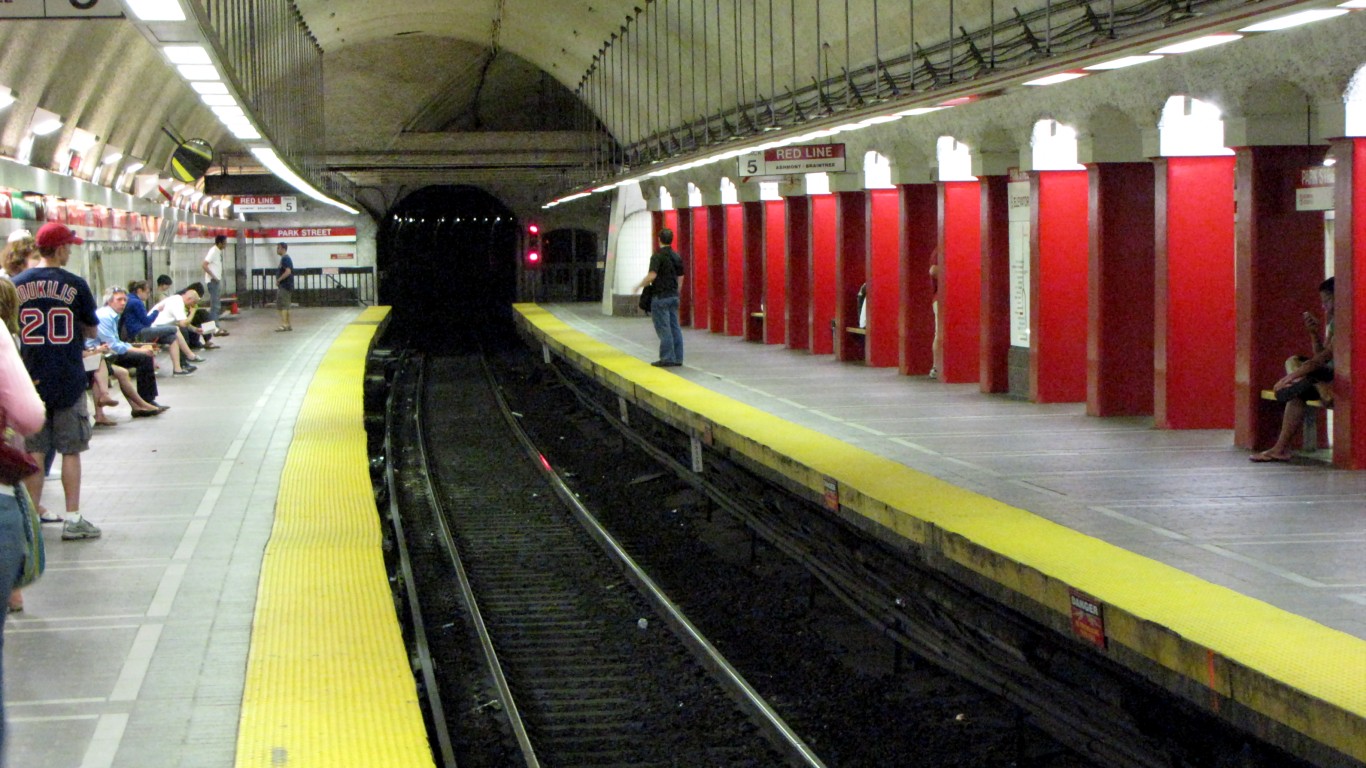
[(533, 257), (533, 229)]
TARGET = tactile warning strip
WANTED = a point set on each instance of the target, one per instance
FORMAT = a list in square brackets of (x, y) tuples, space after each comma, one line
[(1289, 669), (328, 681)]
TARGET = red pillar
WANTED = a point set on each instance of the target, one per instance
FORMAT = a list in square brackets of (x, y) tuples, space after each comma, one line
[(700, 275), (960, 289), (1119, 318), (851, 272), (716, 247), (920, 239), (752, 271), (683, 244), (1194, 335), (884, 276), (1279, 265), (798, 272), (994, 353), (823, 248), (1057, 287), (775, 272), (735, 270), (1349, 269)]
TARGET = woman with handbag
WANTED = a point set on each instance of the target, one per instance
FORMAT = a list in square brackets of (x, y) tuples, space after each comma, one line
[(23, 414)]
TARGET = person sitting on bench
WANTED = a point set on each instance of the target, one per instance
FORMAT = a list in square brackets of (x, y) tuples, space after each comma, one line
[(1305, 379)]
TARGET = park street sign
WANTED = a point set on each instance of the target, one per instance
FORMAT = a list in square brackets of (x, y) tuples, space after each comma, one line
[(265, 203), (785, 161)]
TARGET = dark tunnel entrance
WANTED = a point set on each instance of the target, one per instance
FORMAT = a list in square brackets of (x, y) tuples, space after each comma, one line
[(448, 265)]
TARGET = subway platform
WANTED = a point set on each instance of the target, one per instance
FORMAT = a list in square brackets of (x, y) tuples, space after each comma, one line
[(1220, 578), (132, 650)]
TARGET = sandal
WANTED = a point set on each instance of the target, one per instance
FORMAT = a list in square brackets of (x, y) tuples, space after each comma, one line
[(281, 329), (50, 517), (109, 401), (106, 422)]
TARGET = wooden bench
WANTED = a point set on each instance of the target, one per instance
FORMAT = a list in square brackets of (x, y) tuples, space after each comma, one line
[(857, 331), (1310, 427)]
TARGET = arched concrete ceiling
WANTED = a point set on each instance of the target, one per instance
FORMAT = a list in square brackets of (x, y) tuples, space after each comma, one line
[(102, 77), (480, 91)]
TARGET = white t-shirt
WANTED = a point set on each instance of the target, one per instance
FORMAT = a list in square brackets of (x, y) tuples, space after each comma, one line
[(213, 263), (170, 310)]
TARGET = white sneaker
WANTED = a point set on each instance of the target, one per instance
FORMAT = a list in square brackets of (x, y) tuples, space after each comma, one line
[(82, 529)]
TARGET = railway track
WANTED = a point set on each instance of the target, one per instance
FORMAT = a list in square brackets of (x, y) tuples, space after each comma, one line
[(847, 673), (582, 668)]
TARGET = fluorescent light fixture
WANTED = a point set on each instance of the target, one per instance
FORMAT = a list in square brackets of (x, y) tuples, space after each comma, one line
[(879, 120), (1060, 77), (208, 87), (1199, 43), (229, 113), (1353, 4), (218, 100), (44, 122), (1127, 61), (134, 166), (271, 160), (1294, 20), (187, 54), (111, 156), (6, 97), (244, 131), (198, 72), (605, 188), (81, 141), (156, 10), (918, 111)]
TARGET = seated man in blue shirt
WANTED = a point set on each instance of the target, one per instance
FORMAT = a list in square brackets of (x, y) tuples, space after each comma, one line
[(125, 355), (137, 327)]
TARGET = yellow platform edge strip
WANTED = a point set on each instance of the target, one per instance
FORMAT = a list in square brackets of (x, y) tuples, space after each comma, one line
[(1291, 669), (328, 680)]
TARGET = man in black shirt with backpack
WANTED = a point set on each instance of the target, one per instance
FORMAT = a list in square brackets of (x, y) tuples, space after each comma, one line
[(666, 281)]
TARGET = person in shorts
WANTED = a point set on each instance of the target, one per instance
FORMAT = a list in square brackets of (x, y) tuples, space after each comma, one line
[(56, 316), (284, 286)]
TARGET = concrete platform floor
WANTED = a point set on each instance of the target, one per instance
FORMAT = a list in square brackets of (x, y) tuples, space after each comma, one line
[(131, 650)]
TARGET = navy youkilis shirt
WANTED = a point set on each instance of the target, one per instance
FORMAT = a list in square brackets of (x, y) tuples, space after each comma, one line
[(54, 308)]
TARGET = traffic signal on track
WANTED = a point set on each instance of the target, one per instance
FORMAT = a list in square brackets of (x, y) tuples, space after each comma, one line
[(533, 247)]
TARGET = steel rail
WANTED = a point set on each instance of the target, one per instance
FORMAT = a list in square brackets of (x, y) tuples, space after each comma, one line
[(784, 737), (424, 656), (510, 710), (895, 624)]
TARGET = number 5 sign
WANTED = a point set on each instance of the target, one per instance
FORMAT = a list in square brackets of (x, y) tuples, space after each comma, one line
[(752, 164)]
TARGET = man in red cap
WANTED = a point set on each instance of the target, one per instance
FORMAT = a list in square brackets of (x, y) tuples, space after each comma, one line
[(56, 315)]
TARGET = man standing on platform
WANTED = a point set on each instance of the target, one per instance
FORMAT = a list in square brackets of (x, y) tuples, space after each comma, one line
[(666, 277), (213, 279), (56, 315), (284, 286)]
